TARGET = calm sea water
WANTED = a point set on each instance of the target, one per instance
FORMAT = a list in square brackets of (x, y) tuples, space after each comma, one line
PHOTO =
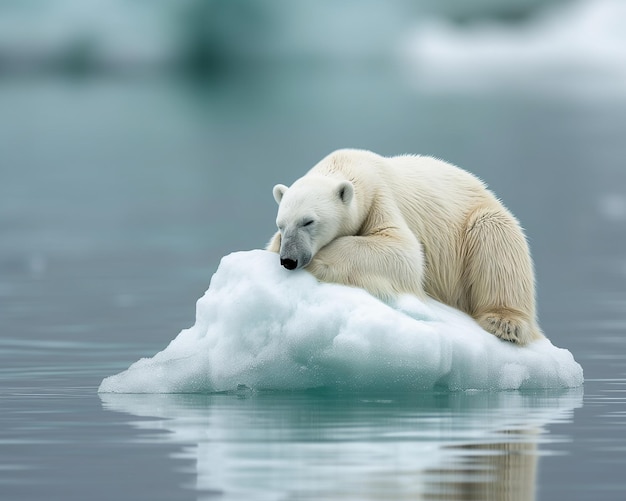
[(117, 200)]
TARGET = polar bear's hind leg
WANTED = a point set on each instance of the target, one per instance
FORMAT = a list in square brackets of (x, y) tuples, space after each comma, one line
[(499, 277)]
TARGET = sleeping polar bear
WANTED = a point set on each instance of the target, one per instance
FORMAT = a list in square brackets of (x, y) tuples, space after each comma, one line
[(410, 224)]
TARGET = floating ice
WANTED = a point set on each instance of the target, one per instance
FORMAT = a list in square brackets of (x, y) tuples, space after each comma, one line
[(261, 326)]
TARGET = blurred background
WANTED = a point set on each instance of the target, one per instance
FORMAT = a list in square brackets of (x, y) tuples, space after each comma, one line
[(140, 139)]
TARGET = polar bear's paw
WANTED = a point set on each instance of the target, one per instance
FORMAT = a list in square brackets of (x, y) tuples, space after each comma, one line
[(508, 326)]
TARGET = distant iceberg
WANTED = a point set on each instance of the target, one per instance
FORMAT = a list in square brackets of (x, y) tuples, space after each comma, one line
[(580, 44), (264, 328)]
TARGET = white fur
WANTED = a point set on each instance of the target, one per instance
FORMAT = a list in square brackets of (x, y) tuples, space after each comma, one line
[(410, 224)]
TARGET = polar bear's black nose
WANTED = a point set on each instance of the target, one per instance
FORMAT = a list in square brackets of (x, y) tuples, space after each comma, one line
[(290, 264)]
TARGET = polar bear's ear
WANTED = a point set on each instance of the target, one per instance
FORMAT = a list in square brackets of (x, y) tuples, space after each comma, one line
[(278, 192), (345, 190)]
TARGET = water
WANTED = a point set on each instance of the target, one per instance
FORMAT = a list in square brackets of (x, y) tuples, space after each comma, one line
[(112, 228), (119, 196)]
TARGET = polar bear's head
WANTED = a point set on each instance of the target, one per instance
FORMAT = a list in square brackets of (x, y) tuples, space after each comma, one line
[(311, 213)]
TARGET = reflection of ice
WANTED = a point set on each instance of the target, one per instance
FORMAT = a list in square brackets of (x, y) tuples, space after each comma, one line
[(468, 445), (583, 42), (267, 328)]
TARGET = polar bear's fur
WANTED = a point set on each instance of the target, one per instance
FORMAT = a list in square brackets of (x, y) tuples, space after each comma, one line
[(410, 224)]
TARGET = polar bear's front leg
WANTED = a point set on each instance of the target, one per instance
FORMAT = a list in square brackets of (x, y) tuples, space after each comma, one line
[(386, 263)]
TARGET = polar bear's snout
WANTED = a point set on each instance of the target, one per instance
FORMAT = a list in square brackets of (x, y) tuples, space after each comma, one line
[(295, 249), (290, 264), (292, 259)]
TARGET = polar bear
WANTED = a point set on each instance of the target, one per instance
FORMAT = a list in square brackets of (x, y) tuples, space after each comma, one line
[(410, 224)]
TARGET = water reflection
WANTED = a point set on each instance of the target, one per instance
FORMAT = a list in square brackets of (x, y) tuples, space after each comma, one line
[(466, 446)]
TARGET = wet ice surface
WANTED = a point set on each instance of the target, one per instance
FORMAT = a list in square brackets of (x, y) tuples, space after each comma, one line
[(263, 327)]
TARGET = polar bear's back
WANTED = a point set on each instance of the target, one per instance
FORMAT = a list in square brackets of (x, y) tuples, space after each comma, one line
[(448, 190), (433, 195), (411, 178)]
